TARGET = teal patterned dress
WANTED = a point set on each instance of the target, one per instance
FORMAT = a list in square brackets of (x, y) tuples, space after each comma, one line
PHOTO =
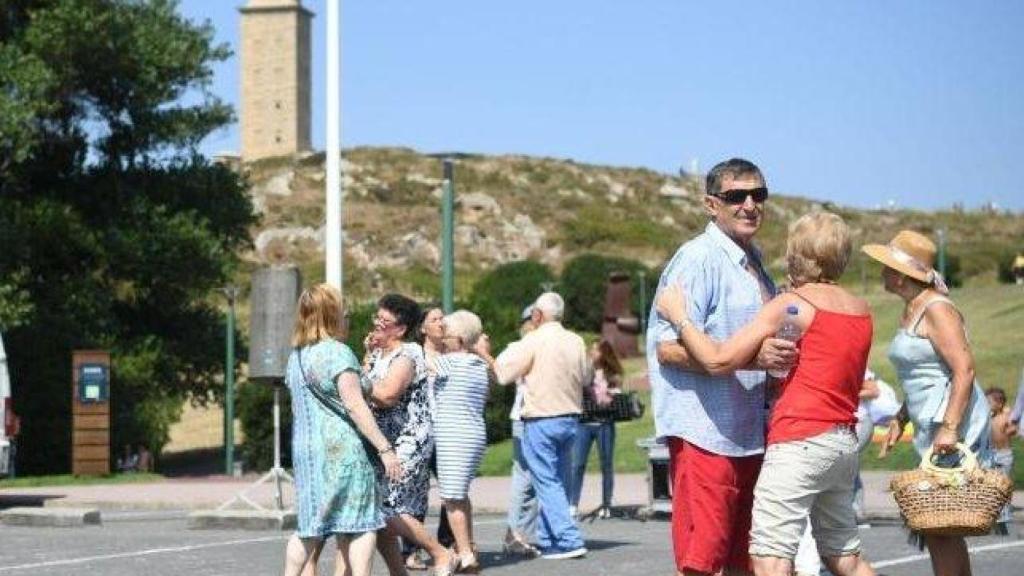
[(335, 483)]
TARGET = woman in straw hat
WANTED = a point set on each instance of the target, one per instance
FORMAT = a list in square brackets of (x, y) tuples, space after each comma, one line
[(810, 461), (934, 363)]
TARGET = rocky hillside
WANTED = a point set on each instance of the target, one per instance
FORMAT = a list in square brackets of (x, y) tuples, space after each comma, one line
[(515, 207)]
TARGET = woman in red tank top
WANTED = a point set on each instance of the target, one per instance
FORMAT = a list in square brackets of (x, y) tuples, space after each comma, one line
[(811, 455)]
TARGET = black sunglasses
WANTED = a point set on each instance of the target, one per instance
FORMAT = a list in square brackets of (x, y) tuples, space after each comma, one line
[(739, 196)]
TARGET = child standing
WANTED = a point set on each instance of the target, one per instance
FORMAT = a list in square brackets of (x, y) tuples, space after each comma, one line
[(1003, 430)]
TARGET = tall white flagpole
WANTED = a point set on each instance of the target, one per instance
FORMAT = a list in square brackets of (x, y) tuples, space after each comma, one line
[(333, 250)]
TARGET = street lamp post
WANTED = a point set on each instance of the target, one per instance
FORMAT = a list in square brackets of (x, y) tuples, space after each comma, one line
[(942, 253), (448, 238), (643, 303), (231, 292)]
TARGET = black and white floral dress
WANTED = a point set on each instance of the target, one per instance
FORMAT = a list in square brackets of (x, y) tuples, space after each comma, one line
[(407, 425)]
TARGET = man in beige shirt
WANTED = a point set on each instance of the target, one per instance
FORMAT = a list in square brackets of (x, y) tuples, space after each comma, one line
[(554, 365)]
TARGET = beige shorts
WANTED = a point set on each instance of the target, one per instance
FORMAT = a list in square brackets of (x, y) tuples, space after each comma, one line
[(807, 478)]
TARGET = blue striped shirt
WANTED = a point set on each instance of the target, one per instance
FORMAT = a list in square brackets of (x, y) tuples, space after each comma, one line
[(722, 414)]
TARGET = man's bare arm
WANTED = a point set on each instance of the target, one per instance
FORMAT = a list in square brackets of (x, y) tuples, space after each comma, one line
[(672, 353)]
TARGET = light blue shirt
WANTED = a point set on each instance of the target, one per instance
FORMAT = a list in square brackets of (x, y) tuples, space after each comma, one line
[(722, 414)]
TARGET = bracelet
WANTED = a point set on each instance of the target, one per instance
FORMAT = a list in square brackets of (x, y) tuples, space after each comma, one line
[(682, 326), (386, 450), (950, 426)]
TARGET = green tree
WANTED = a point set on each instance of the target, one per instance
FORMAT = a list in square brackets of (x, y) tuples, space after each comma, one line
[(116, 233)]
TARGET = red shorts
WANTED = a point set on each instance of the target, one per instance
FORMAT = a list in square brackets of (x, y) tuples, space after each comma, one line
[(712, 499)]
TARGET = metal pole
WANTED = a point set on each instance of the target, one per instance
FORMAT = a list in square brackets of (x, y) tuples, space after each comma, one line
[(942, 253), (333, 250), (277, 446), (229, 384), (643, 303), (448, 239)]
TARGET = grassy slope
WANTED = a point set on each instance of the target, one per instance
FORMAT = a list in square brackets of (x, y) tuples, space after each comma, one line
[(993, 313), (628, 457)]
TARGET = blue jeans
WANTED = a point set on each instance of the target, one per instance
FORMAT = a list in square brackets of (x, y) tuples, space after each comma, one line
[(522, 505), (547, 446), (586, 433)]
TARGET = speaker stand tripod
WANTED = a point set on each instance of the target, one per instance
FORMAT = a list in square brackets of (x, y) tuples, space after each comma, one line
[(277, 474)]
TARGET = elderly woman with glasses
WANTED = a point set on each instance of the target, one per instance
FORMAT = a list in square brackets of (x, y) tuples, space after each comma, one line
[(397, 371)]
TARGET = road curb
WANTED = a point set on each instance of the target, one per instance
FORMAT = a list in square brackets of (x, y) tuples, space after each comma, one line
[(242, 520), (50, 517)]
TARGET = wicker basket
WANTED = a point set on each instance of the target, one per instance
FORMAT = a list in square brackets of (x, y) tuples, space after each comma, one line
[(961, 501)]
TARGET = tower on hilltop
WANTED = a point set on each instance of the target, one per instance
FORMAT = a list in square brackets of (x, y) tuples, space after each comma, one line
[(275, 60)]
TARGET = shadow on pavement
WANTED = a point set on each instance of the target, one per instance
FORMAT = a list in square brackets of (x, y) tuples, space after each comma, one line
[(498, 559), (28, 500)]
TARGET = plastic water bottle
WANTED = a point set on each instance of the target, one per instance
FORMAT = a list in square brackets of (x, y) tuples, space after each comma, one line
[(789, 330)]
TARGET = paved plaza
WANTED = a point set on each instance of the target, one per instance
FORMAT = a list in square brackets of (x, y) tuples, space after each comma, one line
[(144, 531), (157, 543)]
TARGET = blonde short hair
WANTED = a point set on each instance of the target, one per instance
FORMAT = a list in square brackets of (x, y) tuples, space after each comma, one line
[(818, 248), (319, 316), (465, 326)]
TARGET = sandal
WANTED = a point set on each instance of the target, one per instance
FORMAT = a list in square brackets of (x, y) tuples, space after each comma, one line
[(450, 567), (415, 562), (469, 565)]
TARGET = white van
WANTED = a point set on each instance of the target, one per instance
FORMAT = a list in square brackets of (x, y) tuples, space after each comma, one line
[(9, 429)]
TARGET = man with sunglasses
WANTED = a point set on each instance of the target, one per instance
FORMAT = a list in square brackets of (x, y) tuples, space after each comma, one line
[(715, 425)]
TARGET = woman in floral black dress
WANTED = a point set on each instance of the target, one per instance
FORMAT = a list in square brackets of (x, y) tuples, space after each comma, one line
[(397, 372)]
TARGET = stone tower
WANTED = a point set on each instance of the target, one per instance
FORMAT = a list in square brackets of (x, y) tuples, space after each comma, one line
[(275, 58)]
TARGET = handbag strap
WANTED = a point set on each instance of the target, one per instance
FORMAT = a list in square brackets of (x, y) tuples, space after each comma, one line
[(967, 462), (329, 402)]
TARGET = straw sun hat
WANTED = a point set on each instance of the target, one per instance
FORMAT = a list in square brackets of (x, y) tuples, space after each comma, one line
[(911, 254)]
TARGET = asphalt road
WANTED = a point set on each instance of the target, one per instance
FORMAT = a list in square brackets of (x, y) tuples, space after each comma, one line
[(158, 544)]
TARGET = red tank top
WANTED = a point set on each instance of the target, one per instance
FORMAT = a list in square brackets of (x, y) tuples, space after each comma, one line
[(822, 389)]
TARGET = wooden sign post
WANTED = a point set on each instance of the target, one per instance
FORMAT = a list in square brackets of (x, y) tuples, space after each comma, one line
[(90, 409)]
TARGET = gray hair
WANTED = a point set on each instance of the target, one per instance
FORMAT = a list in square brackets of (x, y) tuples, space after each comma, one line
[(465, 326), (550, 305)]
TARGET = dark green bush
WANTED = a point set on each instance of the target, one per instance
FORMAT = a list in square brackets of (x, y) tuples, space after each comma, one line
[(500, 296), (584, 283), (255, 410)]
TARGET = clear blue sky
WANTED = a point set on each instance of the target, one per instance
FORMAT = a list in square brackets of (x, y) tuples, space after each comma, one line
[(920, 102)]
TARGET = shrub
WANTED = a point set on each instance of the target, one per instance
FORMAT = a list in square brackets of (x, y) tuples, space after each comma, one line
[(584, 283), (255, 410)]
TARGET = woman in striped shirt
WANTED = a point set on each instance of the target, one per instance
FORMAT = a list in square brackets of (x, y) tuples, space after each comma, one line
[(460, 434)]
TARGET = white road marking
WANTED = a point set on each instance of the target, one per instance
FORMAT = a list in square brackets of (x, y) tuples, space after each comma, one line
[(972, 550), (150, 552)]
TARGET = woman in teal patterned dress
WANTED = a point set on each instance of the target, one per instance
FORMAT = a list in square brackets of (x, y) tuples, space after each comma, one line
[(332, 430)]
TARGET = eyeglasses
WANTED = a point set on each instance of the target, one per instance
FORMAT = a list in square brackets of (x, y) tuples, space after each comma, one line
[(739, 196), (382, 323)]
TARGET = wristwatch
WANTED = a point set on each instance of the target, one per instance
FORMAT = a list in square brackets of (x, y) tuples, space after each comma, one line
[(682, 326)]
